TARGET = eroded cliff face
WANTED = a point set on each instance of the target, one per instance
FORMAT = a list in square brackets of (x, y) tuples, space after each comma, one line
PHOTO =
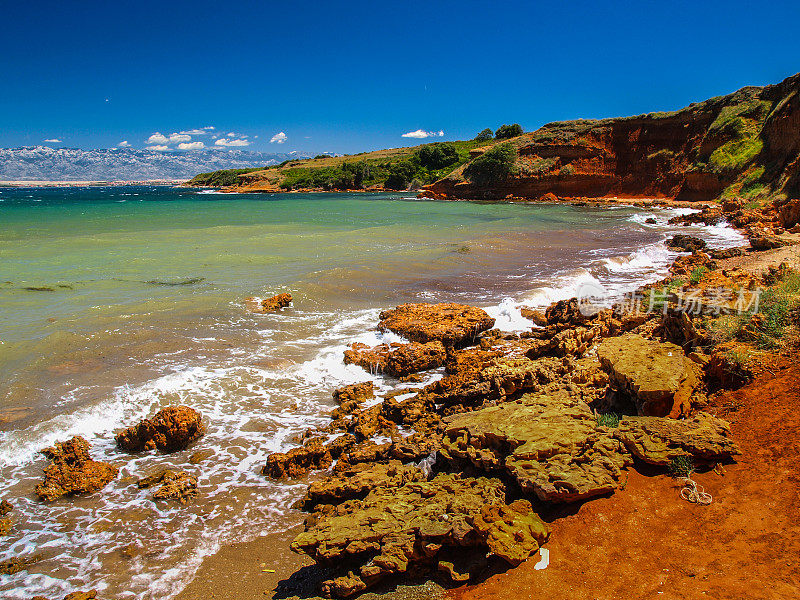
[(744, 144)]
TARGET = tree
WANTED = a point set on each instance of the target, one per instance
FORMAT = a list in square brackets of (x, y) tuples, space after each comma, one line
[(493, 166), (508, 131), (484, 136), (400, 175), (438, 156)]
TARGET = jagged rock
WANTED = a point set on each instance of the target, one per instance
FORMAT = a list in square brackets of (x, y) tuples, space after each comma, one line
[(657, 376), (537, 316), (72, 471), (341, 444), (396, 530), (175, 485), (685, 243), (513, 532), (172, 428), (356, 481), (657, 440), (550, 443), (765, 241), (273, 304), (726, 253), (298, 461), (397, 360), (450, 324), (789, 213), (356, 393)]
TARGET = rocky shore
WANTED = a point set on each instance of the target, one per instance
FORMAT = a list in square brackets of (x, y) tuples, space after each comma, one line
[(462, 478), (472, 475)]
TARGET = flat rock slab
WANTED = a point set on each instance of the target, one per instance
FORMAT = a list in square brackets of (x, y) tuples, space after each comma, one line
[(417, 527), (550, 443), (657, 375), (659, 441), (451, 324)]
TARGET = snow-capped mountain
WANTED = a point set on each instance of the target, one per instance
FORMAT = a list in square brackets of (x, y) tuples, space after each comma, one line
[(42, 163)]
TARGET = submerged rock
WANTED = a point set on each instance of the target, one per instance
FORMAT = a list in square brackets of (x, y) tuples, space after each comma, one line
[(17, 564), (90, 595), (298, 461), (658, 376), (172, 428), (5, 522), (450, 324), (397, 360), (550, 443), (72, 471), (657, 441), (415, 527), (175, 485)]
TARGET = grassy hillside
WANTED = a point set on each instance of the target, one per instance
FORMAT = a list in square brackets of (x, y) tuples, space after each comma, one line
[(396, 168), (742, 145)]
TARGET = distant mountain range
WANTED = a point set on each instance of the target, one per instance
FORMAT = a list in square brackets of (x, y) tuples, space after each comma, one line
[(42, 163)]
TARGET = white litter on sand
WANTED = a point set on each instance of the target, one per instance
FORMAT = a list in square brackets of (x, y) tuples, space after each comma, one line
[(544, 559)]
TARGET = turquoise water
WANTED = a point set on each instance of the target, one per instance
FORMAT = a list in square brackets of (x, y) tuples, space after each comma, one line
[(117, 301)]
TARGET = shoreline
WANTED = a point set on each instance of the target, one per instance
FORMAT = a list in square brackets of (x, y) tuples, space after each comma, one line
[(215, 573), (217, 568), (67, 184)]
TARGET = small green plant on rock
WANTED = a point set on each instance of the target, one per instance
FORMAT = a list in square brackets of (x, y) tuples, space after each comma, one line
[(608, 420), (697, 274), (681, 466)]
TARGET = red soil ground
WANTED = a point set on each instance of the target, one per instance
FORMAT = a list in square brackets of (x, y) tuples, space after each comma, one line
[(645, 542)]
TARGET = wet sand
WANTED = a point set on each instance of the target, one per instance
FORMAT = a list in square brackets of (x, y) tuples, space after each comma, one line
[(241, 571)]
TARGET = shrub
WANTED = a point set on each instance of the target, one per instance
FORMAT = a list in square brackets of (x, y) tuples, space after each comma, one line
[(697, 274), (493, 166), (400, 175), (681, 466), (438, 156), (508, 131), (484, 136), (567, 171)]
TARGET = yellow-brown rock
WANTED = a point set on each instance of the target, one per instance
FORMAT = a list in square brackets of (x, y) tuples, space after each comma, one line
[(72, 471)]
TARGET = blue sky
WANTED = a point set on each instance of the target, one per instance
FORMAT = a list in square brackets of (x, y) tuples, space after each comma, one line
[(355, 76)]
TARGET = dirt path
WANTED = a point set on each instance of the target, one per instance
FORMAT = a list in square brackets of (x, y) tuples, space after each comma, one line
[(645, 543)]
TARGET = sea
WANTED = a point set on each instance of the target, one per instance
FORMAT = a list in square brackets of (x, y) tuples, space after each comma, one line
[(117, 301)]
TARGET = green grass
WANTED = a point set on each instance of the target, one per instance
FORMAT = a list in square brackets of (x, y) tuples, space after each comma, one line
[(736, 154), (778, 308), (681, 466), (697, 274), (608, 420)]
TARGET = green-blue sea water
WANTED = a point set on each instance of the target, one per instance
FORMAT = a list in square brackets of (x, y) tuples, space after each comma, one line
[(117, 301)]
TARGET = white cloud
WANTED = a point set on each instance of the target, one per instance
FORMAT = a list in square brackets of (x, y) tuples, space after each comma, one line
[(160, 139), (209, 128), (191, 145), (421, 133), (158, 148), (278, 138), (157, 138), (203, 131), (231, 134), (227, 142), (52, 141), (124, 144)]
